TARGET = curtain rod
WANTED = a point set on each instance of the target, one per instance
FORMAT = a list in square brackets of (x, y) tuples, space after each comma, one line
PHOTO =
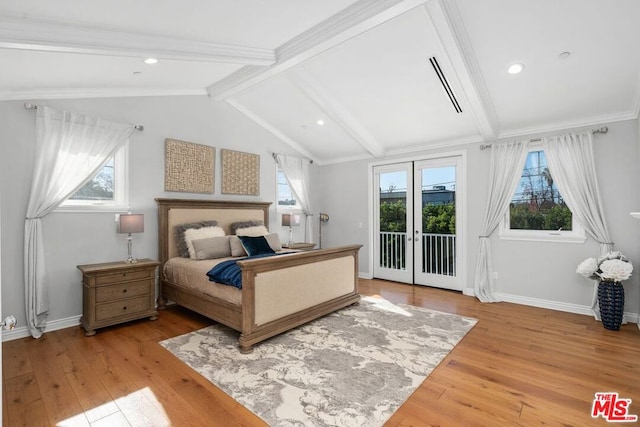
[(603, 129), (275, 154), (30, 106)]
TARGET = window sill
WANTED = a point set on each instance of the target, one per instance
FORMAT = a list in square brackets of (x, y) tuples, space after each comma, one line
[(92, 208), (289, 209), (542, 237)]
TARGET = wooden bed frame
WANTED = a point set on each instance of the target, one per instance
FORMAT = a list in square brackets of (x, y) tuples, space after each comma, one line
[(278, 293)]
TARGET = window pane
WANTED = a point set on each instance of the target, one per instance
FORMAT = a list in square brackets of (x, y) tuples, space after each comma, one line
[(393, 202), (285, 197), (100, 187), (537, 203)]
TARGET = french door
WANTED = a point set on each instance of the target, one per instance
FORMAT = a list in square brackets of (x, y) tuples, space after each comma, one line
[(418, 209)]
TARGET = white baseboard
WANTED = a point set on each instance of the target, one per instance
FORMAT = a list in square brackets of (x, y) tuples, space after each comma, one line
[(559, 306), (54, 325)]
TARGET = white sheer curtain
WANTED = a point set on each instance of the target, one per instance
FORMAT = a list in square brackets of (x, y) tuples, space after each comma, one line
[(296, 170), (573, 167), (70, 149), (505, 170)]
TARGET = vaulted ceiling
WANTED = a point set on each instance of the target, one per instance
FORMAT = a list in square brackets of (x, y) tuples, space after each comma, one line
[(372, 71)]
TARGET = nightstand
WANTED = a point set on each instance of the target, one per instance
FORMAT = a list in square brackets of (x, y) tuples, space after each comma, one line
[(300, 246), (116, 292)]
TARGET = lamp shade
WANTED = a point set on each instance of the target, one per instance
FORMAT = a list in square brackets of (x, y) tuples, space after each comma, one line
[(131, 223), (290, 220)]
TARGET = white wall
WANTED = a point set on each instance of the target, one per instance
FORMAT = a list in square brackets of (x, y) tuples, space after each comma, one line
[(535, 273), (79, 238)]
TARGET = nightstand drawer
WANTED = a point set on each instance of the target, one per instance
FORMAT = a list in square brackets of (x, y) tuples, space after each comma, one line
[(123, 290), (123, 276), (122, 308)]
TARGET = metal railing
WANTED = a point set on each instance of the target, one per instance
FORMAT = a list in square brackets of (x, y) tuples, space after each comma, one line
[(393, 250), (438, 252)]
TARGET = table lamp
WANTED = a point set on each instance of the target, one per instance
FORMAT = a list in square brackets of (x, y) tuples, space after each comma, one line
[(130, 223)]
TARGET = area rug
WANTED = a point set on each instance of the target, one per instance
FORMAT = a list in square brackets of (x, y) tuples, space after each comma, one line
[(354, 367)]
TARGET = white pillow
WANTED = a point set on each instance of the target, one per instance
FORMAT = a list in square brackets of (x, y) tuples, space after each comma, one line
[(254, 231), (273, 240), (200, 233)]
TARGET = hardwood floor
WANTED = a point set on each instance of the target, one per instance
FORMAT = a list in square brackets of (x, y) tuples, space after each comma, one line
[(518, 366)]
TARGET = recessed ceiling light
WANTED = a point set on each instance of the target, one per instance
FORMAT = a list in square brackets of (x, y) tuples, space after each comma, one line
[(515, 68), (151, 61), (320, 122)]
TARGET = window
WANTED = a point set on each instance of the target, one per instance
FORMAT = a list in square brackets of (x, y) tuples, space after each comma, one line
[(107, 190), (285, 197), (537, 210)]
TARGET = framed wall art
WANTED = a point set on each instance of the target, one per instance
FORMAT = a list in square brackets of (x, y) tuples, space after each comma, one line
[(240, 173), (188, 167)]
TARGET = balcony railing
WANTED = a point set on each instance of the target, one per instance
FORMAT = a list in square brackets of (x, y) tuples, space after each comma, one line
[(438, 252)]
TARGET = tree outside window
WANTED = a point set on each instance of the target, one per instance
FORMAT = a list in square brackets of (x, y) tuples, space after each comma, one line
[(537, 204), (101, 187)]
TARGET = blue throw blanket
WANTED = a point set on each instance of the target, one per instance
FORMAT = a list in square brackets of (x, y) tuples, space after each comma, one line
[(229, 273)]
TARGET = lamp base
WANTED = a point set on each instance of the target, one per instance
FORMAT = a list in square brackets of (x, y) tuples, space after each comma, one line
[(131, 259)]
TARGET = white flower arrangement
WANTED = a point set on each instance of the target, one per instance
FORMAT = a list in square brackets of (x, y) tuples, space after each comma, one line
[(612, 267)]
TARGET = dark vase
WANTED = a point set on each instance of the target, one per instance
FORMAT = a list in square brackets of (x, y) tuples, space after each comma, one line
[(611, 302)]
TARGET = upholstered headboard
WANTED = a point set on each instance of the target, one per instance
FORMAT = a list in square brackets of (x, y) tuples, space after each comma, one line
[(172, 212)]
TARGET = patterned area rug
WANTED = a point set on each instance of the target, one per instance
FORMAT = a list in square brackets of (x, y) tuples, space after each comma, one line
[(354, 367)]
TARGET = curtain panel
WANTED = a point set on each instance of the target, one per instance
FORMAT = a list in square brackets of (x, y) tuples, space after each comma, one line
[(70, 149), (572, 164), (505, 170), (296, 171)]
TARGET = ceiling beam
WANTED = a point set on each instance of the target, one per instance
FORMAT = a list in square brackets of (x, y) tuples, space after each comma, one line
[(455, 42), (271, 128), (351, 22), (50, 36), (314, 90)]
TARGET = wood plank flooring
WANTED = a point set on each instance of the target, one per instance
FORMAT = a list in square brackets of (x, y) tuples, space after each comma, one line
[(519, 366)]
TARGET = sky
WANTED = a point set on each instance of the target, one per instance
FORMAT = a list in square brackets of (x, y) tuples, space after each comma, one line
[(430, 177)]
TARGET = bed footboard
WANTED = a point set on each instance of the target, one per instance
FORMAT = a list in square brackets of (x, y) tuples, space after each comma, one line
[(281, 293)]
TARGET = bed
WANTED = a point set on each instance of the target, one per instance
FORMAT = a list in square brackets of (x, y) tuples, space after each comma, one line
[(278, 293)]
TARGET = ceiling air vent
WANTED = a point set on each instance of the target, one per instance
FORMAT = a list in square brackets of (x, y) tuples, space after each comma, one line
[(445, 84)]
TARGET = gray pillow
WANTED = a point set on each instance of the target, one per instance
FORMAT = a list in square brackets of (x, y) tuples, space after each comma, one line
[(183, 248), (243, 224), (236, 246), (212, 247)]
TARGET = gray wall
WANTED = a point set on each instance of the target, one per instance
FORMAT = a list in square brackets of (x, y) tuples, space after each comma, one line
[(530, 272), (535, 273), (79, 238)]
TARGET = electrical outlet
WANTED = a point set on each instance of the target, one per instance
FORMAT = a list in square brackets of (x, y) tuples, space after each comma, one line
[(495, 275)]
